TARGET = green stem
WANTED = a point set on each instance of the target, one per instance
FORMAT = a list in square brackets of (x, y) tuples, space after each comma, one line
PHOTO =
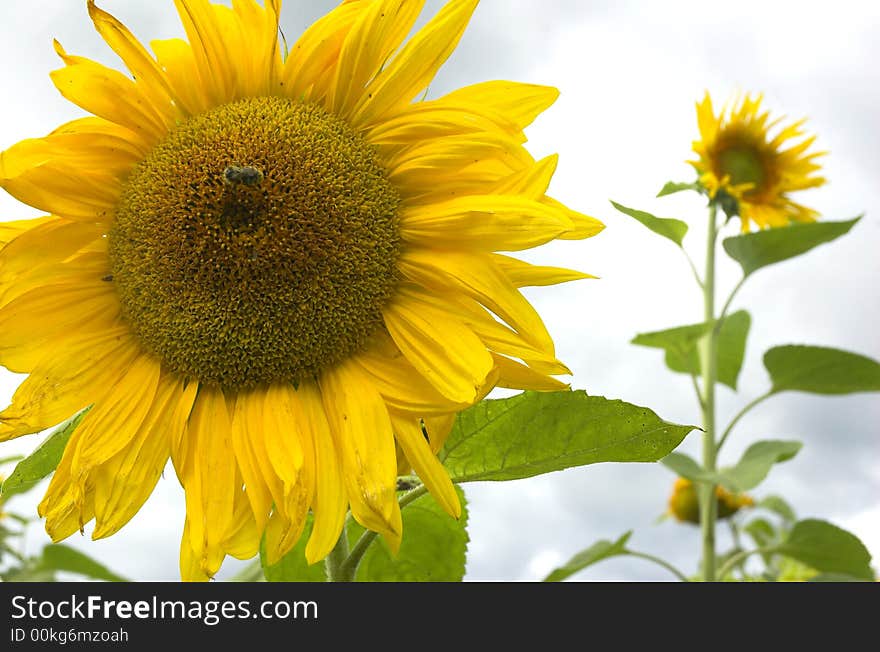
[(694, 269), (337, 570), (350, 563), (740, 557), (660, 562), (709, 363), (730, 300), (739, 416), (697, 390)]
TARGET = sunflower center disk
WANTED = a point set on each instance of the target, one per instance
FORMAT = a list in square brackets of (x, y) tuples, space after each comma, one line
[(256, 244), (743, 164)]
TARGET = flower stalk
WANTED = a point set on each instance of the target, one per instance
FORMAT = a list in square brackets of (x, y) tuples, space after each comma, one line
[(709, 369)]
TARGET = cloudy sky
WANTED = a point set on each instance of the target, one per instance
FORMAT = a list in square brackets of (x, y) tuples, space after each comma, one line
[(629, 73)]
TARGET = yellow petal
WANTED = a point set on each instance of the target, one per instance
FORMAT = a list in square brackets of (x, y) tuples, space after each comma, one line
[(583, 226), (206, 38), (444, 351), (375, 35), (439, 429), (124, 482), (362, 430), (259, 480), (311, 64), (210, 478), (485, 222), (242, 539), (9, 231), (52, 316), (515, 375), (427, 121), (190, 560), (330, 502), (109, 94), (495, 335), (411, 70), (60, 386), (477, 277), (480, 156), (523, 274), (148, 75), (113, 422), (178, 62), (33, 172), (402, 386), (425, 462), (517, 102)]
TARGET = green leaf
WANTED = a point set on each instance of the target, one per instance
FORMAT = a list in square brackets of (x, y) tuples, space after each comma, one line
[(539, 432), (11, 458), (821, 370), (253, 572), (672, 229), (761, 530), (778, 505), (679, 343), (682, 351), (58, 557), (673, 187), (433, 548), (687, 467), (761, 248), (42, 461), (835, 577), (595, 553), (293, 566), (827, 548), (756, 463)]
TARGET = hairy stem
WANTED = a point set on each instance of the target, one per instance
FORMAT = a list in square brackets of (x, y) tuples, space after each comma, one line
[(709, 364), (337, 570), (352, 560)]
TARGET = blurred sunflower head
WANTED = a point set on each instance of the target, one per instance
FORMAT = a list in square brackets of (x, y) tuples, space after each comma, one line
[(746, 168), (684, 502), (278, 268)]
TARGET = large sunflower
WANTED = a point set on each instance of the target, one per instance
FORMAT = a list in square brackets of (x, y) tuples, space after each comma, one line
[(277, 268), (740, 158)]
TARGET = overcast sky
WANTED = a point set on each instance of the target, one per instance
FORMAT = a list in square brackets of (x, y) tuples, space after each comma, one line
[(629, 73)]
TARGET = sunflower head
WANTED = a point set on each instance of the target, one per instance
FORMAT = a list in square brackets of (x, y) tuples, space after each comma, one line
[(751, 164), (287, 274), (684, 502)]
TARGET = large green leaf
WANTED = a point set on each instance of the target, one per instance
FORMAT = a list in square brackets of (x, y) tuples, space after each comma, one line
[(756, 250), (673, 187), (58, 557), (821, 370), (433, 548), (682, 350), (42, 461), (827, 548), (756, 463), (293, 566), (540, 432), (595, 553), (668, 227)]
